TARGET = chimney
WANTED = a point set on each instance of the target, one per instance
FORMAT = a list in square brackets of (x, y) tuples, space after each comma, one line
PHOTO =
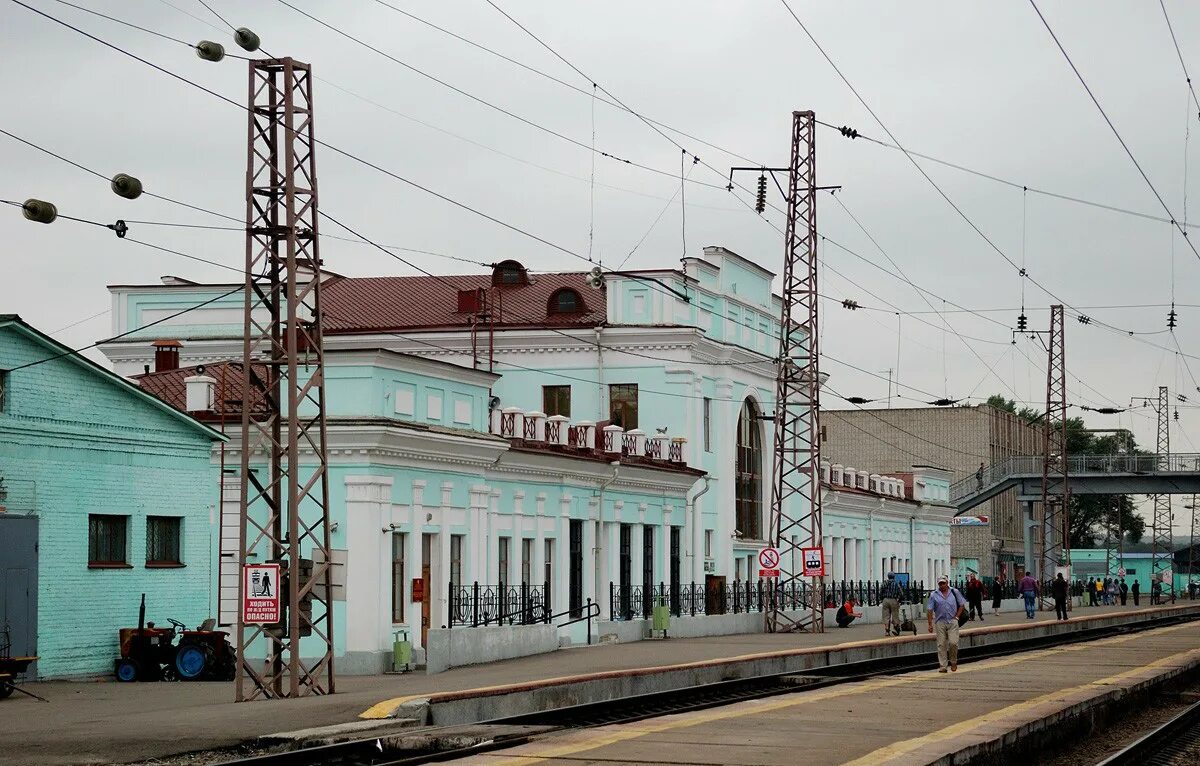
[(166, 355), (199, 389)]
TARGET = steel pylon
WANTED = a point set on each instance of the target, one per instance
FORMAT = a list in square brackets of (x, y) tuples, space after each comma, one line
[(1162, 542), (796, 482), (1056, 494), (283, 483)]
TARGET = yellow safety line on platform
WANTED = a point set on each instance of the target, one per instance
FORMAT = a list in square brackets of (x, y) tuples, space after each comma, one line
[(897, 749), (385, 708), (625, 732)]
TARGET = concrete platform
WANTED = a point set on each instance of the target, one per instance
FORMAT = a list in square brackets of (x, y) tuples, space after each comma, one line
[(107, 722), (916, 718)]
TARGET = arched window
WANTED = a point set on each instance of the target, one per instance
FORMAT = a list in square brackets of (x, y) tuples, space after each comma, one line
[(748, 483), (565, 301), (509, 273)]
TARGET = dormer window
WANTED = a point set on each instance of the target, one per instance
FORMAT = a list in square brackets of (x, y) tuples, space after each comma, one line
[(565, 301), (509, 274)]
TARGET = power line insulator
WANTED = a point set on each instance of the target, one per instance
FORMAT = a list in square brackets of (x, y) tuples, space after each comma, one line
[(1022, 322), (125, 185), (246, 40), (121, 228), (848, 132), (858, 400), (1177, 413), (760, 204), (210, 51), (39, 211), (850, 304), (1084, 319), (1172, 318)]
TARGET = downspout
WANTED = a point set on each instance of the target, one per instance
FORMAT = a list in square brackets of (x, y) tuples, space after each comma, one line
[(599, 551), (600, 413), (912, 556), (696, 525)]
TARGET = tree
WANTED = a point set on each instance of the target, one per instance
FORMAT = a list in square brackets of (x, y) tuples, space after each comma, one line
[(1091, 516)]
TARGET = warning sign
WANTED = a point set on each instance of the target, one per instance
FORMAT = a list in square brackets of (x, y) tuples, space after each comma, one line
[(1121, 572), (814, 562), (260, 594), (768, 562)]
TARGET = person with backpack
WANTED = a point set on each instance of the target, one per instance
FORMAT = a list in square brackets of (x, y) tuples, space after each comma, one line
[(944, 608), (889, 601), (1028, 588)]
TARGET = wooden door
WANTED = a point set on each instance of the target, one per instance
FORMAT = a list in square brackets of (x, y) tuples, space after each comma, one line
[(427, 601)]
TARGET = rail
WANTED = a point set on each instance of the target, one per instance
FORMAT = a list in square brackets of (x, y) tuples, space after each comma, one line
[(1077, 465), (1172, 738)]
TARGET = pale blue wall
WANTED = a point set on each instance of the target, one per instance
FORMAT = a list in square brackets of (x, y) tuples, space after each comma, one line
[(84, 444)]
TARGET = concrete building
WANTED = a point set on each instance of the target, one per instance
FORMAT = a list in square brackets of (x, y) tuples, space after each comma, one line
[(106, 494), (958, 439)]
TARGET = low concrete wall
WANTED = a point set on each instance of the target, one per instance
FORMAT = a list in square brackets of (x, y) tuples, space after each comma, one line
[(473, 706), (470, 646)]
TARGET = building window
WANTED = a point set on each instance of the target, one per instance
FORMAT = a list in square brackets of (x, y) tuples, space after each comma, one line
[(456, 546), (556, 400), (707, 424), (575, 568), (526, 560), (623, 405), (398, 545), (108, 540), (748, 481), (708, 543), (503, 561), (675, 560), (163, 536), (647, 568), (565, 301), (509, 273), (625, 571), (3, 390)]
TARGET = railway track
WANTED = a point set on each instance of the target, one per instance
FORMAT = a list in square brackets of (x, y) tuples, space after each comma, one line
[(438, 743), (1175, 743)]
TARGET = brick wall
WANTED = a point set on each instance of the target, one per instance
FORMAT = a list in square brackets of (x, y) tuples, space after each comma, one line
[(85, 444)]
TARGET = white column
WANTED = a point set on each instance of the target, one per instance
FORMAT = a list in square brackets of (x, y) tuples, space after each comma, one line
[(591, 541), (491, 563), (368, 576), (724, 438), (697, 522), (441, 574)]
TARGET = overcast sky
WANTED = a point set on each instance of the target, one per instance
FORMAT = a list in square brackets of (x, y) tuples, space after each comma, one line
[(978, 84)]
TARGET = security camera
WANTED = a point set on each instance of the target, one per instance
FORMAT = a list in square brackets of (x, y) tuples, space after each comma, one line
[(737, 533)]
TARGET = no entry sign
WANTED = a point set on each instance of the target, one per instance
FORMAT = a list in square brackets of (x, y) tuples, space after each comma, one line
[(260, 594), (768, 562)]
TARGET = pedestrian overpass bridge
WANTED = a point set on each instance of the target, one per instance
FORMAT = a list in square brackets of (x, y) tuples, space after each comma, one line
[(1087, 475)]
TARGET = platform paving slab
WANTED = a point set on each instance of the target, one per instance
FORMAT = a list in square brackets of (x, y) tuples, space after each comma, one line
[(107, 722), (915, 718)]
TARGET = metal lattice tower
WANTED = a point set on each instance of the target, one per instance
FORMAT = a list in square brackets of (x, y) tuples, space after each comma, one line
[(285, 497), (1056, 496), (1192, 545), (796, 485), (1114, 536), (1162, 543)]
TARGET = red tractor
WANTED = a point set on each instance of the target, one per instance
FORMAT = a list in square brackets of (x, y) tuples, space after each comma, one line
[(149, 653)]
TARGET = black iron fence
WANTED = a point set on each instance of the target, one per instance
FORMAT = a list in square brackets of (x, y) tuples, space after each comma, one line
[(475, 605), (628, 602)]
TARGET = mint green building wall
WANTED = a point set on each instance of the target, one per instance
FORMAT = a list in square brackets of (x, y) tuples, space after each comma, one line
[(78, 442)]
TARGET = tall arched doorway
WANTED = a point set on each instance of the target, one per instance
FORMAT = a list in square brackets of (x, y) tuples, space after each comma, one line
[(748, 484)]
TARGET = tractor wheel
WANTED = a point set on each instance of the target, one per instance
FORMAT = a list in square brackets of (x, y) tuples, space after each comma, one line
[(126, 670), (190, 661)]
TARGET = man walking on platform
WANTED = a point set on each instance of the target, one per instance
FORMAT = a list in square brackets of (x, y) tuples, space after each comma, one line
[(1059, 590), (1124, 591), (1028, 588), (889, 601), (975, 597), (1137, 592), (1091, 591), (944, 607)]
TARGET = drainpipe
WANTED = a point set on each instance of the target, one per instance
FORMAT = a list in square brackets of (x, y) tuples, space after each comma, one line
[(697, 529), (912, 557), (601, 593), (601, 415)]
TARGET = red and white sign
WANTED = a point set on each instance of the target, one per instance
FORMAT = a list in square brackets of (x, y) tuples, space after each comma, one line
[(1121, 572), (768, 562), (260, 594), (814, 561)]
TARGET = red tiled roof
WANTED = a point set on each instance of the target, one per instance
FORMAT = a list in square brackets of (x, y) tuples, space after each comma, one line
[(356, 304), (169, 387)]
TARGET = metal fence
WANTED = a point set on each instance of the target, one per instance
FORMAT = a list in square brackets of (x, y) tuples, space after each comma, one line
[(629, 602), (475, 605)]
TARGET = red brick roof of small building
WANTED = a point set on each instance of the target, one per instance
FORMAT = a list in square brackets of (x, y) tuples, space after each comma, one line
[(170, 388), (367, 304)]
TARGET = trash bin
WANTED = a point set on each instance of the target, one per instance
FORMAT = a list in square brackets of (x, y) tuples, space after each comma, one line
[(401, 651), (660, 619)]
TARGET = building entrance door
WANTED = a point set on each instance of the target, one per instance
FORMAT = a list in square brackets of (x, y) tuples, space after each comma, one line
[(18, 584), (427, 600)]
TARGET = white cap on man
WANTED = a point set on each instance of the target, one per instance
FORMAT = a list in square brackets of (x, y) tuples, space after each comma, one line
[(943, 579)]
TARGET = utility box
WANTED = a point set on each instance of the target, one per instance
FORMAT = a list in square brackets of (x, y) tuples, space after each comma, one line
[(660, 619), (401, 652)]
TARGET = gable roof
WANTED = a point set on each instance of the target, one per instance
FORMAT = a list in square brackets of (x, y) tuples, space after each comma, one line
[(371, 304), (68, 354), (170, 388)]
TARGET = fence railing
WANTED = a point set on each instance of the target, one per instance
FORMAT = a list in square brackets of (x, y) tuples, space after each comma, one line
[(1031, 465), (475, 605), (630, 602)]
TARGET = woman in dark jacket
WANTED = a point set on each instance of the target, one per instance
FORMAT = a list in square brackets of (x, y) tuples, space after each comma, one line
[(997, 592)]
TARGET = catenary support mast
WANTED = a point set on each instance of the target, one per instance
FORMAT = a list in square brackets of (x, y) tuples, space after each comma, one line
[(284, 487), (1162, 540), (796, 487), (1056, 495)]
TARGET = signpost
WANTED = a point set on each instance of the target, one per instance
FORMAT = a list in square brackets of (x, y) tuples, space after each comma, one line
[(768, 562), (260, 594), (814, 561)]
